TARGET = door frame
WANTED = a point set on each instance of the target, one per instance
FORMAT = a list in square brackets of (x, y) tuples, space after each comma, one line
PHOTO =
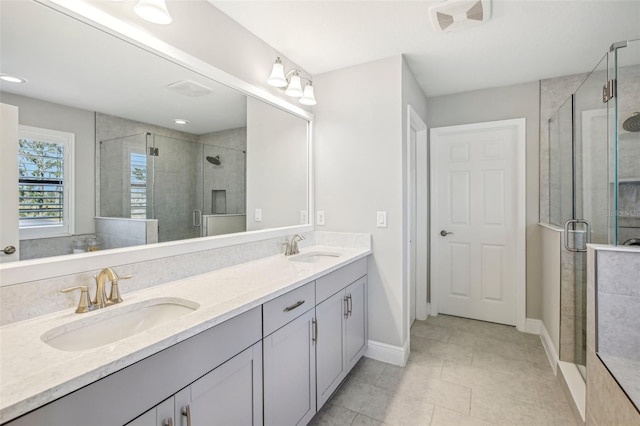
[(413, 155), (519, 124)]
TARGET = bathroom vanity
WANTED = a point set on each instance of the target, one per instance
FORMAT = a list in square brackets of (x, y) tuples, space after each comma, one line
[(263, 342)]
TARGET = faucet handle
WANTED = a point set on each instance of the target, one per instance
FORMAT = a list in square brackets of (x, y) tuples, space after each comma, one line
[(84, 305), (115, 297)]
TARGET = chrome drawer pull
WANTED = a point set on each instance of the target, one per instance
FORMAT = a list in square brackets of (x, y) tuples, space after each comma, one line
[(295, 305), (187, 412)]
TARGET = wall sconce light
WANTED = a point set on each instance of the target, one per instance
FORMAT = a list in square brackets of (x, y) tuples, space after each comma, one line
[(292, 81), (153, 11)]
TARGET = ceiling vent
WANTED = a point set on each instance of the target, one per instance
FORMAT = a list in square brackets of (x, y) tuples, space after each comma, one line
[(190, 88), (454, 15)]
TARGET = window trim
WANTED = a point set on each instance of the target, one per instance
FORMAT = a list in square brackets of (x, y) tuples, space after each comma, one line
[(68, 140)]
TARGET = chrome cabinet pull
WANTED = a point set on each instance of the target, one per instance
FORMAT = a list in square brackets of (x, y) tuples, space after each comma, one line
[(187, 413), (314, 338), (346, 306), (295, 305), (349, 304), (168, 422)]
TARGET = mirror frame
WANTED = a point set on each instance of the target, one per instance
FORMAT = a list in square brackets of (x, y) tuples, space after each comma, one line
[(12, 273)]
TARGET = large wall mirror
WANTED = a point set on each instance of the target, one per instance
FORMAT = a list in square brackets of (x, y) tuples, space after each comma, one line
[(160, 152)]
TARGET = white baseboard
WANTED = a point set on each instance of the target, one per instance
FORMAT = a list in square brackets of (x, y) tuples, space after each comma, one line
[(552, 354), (533, 326), (396, 355)]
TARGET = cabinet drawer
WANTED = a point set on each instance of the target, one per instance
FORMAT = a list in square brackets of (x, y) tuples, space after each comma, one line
[(334, 282), (287, 307)]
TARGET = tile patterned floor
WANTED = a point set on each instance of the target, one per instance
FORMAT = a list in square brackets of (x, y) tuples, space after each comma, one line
[(460, 372)]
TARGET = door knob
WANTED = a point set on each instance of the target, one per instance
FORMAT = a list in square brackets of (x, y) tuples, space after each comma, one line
[(9, 250), (445, 233)]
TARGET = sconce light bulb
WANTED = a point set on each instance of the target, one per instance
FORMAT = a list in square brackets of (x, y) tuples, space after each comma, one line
[(295, 86), (308, 97), (277, 78)]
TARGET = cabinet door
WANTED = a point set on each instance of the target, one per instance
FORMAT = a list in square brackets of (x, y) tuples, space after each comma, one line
[(356, 323), (290, 374), (330, 350), (230, 395), (160, 415)]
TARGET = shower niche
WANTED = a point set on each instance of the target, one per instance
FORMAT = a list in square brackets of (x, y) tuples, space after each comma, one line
[(189, 185)]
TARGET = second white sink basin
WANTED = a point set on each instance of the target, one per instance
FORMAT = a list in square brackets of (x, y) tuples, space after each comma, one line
[(314, 256), (113, 323)]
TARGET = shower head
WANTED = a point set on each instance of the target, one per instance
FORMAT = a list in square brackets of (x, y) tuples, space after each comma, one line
[(632, 124), (214, 160)]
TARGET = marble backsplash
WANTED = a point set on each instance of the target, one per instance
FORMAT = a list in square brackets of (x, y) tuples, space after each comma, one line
[(30, 299)]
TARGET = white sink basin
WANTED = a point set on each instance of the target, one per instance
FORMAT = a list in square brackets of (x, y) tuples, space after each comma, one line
[(314, 256), (111, 324)]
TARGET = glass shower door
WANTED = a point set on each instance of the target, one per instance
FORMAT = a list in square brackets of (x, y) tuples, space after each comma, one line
[(592, 190), (177, 187)]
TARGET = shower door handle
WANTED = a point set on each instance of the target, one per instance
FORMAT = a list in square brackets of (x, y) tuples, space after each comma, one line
[(587, 231), (197, 218)]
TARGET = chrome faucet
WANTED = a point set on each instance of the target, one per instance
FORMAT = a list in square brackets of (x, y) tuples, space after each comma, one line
[(292, 246)]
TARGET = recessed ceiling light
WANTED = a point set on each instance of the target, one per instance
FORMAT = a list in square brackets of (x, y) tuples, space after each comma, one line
[(12, 79), (180, 121)]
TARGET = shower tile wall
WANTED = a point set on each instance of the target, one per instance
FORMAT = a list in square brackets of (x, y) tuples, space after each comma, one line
[(614, 293), (628, 155), (229, 176), (110, 127), (553, 93), (184, 181)]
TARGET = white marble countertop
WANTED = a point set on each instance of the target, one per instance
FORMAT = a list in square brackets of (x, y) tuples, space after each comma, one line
[(33, 373)]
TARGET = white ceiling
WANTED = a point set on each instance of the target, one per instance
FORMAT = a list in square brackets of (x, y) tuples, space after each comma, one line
[(523, 41), (70, 63)]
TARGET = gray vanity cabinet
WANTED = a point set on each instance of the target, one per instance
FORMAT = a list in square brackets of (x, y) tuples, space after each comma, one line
[(219, 353), (290, 358), (160, 415), (230, 395), (342, 326)]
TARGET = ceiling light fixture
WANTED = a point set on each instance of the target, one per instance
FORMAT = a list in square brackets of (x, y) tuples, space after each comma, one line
[(12, 79), (153, 11), (291, 82), (180, 121)]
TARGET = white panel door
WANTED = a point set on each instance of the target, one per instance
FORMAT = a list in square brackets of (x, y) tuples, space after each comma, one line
[(9, 183), (475, 223)]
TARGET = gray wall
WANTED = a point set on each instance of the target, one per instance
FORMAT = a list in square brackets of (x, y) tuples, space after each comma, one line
[(359, 159), (38, 113), (277, 166), (500, 104)]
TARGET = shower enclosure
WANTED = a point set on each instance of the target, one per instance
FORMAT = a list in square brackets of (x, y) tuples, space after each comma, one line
[(179, 183), (594, 178)]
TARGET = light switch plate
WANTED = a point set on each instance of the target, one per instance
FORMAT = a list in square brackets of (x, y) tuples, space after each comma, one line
[(258, 215), (304, 217), (320, 217), (381, 219)]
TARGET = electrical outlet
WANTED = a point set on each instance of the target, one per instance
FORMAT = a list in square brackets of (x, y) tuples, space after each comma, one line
[(381, 219), (258, 215), (304, 217), (320, 218)]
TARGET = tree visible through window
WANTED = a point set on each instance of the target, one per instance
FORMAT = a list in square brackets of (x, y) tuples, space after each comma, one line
[(44, 182), (41, 182), (138, 186)]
